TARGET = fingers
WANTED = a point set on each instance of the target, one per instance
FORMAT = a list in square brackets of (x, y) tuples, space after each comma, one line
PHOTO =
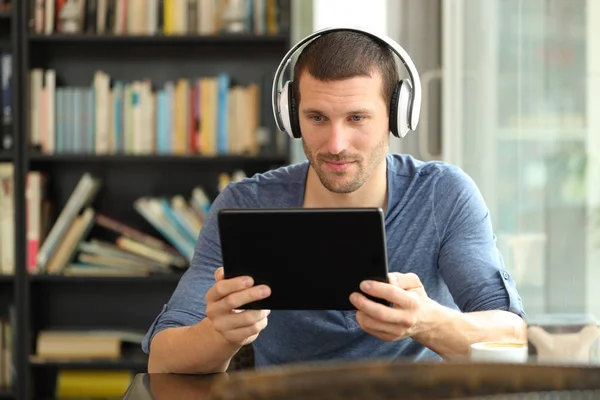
[(241, 335), (239, 320), (234, 300), (382, 330), (372, 324), (238, 299), (219, 274), (391, 293), (405, 281), (224, 287), (380, 312)]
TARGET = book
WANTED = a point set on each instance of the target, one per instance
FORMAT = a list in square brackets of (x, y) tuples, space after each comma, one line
[(82, 196), (7, 219)]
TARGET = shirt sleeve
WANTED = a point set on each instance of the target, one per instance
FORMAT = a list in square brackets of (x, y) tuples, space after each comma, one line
[(469, 260), (187, 305)]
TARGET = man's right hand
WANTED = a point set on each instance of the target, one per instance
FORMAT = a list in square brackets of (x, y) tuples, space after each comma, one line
[(223, 301)]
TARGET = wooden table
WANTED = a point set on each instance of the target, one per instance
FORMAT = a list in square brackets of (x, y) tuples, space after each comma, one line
[(377, 381)]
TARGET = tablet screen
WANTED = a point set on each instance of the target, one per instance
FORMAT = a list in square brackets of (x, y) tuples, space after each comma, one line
[(312, 259)]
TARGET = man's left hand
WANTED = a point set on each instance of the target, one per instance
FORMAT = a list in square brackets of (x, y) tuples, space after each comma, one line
[(407, 315)]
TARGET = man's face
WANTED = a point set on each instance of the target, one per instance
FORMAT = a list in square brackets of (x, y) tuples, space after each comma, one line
[(345, 129)]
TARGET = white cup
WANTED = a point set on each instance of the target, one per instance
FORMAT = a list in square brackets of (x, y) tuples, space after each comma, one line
[(499, 352)]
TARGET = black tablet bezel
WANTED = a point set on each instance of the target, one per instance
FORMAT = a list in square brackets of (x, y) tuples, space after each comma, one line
[(371, 218)]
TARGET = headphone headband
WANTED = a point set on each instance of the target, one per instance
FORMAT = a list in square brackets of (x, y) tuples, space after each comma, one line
[(415, 104)]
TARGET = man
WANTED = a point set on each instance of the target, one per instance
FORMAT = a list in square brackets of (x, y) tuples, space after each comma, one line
[(448, 283)]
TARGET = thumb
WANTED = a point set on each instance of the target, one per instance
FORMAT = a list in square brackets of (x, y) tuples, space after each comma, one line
[(219, 274), (393, 278)]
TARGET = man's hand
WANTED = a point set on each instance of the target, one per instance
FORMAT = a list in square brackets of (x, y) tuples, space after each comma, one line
[(240, 327), (406, 318)]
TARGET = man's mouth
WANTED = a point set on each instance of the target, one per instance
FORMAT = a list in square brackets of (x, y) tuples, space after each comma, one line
[(338, 165)]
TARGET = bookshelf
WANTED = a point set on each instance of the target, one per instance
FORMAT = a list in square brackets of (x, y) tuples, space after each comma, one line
[(149, 151)]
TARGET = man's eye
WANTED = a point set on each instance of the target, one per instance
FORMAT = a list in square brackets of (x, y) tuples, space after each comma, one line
[(357, 118), (317, 118)]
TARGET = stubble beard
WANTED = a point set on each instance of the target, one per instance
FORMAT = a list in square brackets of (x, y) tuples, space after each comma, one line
[(344, 182)]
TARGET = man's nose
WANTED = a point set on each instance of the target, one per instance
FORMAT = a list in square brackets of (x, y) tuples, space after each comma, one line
[(338, 138)]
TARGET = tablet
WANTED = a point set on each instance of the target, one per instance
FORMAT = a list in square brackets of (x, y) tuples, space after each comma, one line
[(312, 259)]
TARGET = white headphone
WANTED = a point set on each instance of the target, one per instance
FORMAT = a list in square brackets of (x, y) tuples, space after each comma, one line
[(405, 105)]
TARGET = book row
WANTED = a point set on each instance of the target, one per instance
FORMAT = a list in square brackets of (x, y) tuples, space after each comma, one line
[(166, 17), (209, 115)]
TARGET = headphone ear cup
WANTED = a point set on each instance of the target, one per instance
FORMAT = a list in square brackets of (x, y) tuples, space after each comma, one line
[(294, 121), (394, 110), (403, 114), (284, 109)]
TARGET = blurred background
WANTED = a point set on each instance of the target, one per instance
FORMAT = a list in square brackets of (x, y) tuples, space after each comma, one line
[(122, 121)]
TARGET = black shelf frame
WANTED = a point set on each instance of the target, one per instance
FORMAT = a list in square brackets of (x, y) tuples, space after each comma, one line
[(6, 394), (133, 364), (43, 279), (132, 359), (235, 39), (153, 158), (7, 156), (21, 289), (48, 294)]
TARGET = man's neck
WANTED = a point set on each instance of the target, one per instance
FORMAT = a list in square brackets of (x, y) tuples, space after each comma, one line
[(373, 193)]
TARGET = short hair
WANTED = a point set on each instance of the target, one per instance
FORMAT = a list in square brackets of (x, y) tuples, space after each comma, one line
[(346, 54)]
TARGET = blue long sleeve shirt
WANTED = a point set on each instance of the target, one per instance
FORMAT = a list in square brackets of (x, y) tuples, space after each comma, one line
[(437, 226)]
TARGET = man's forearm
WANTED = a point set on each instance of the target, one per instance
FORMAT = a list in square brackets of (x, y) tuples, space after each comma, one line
[(451, 333), (192, 349)]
